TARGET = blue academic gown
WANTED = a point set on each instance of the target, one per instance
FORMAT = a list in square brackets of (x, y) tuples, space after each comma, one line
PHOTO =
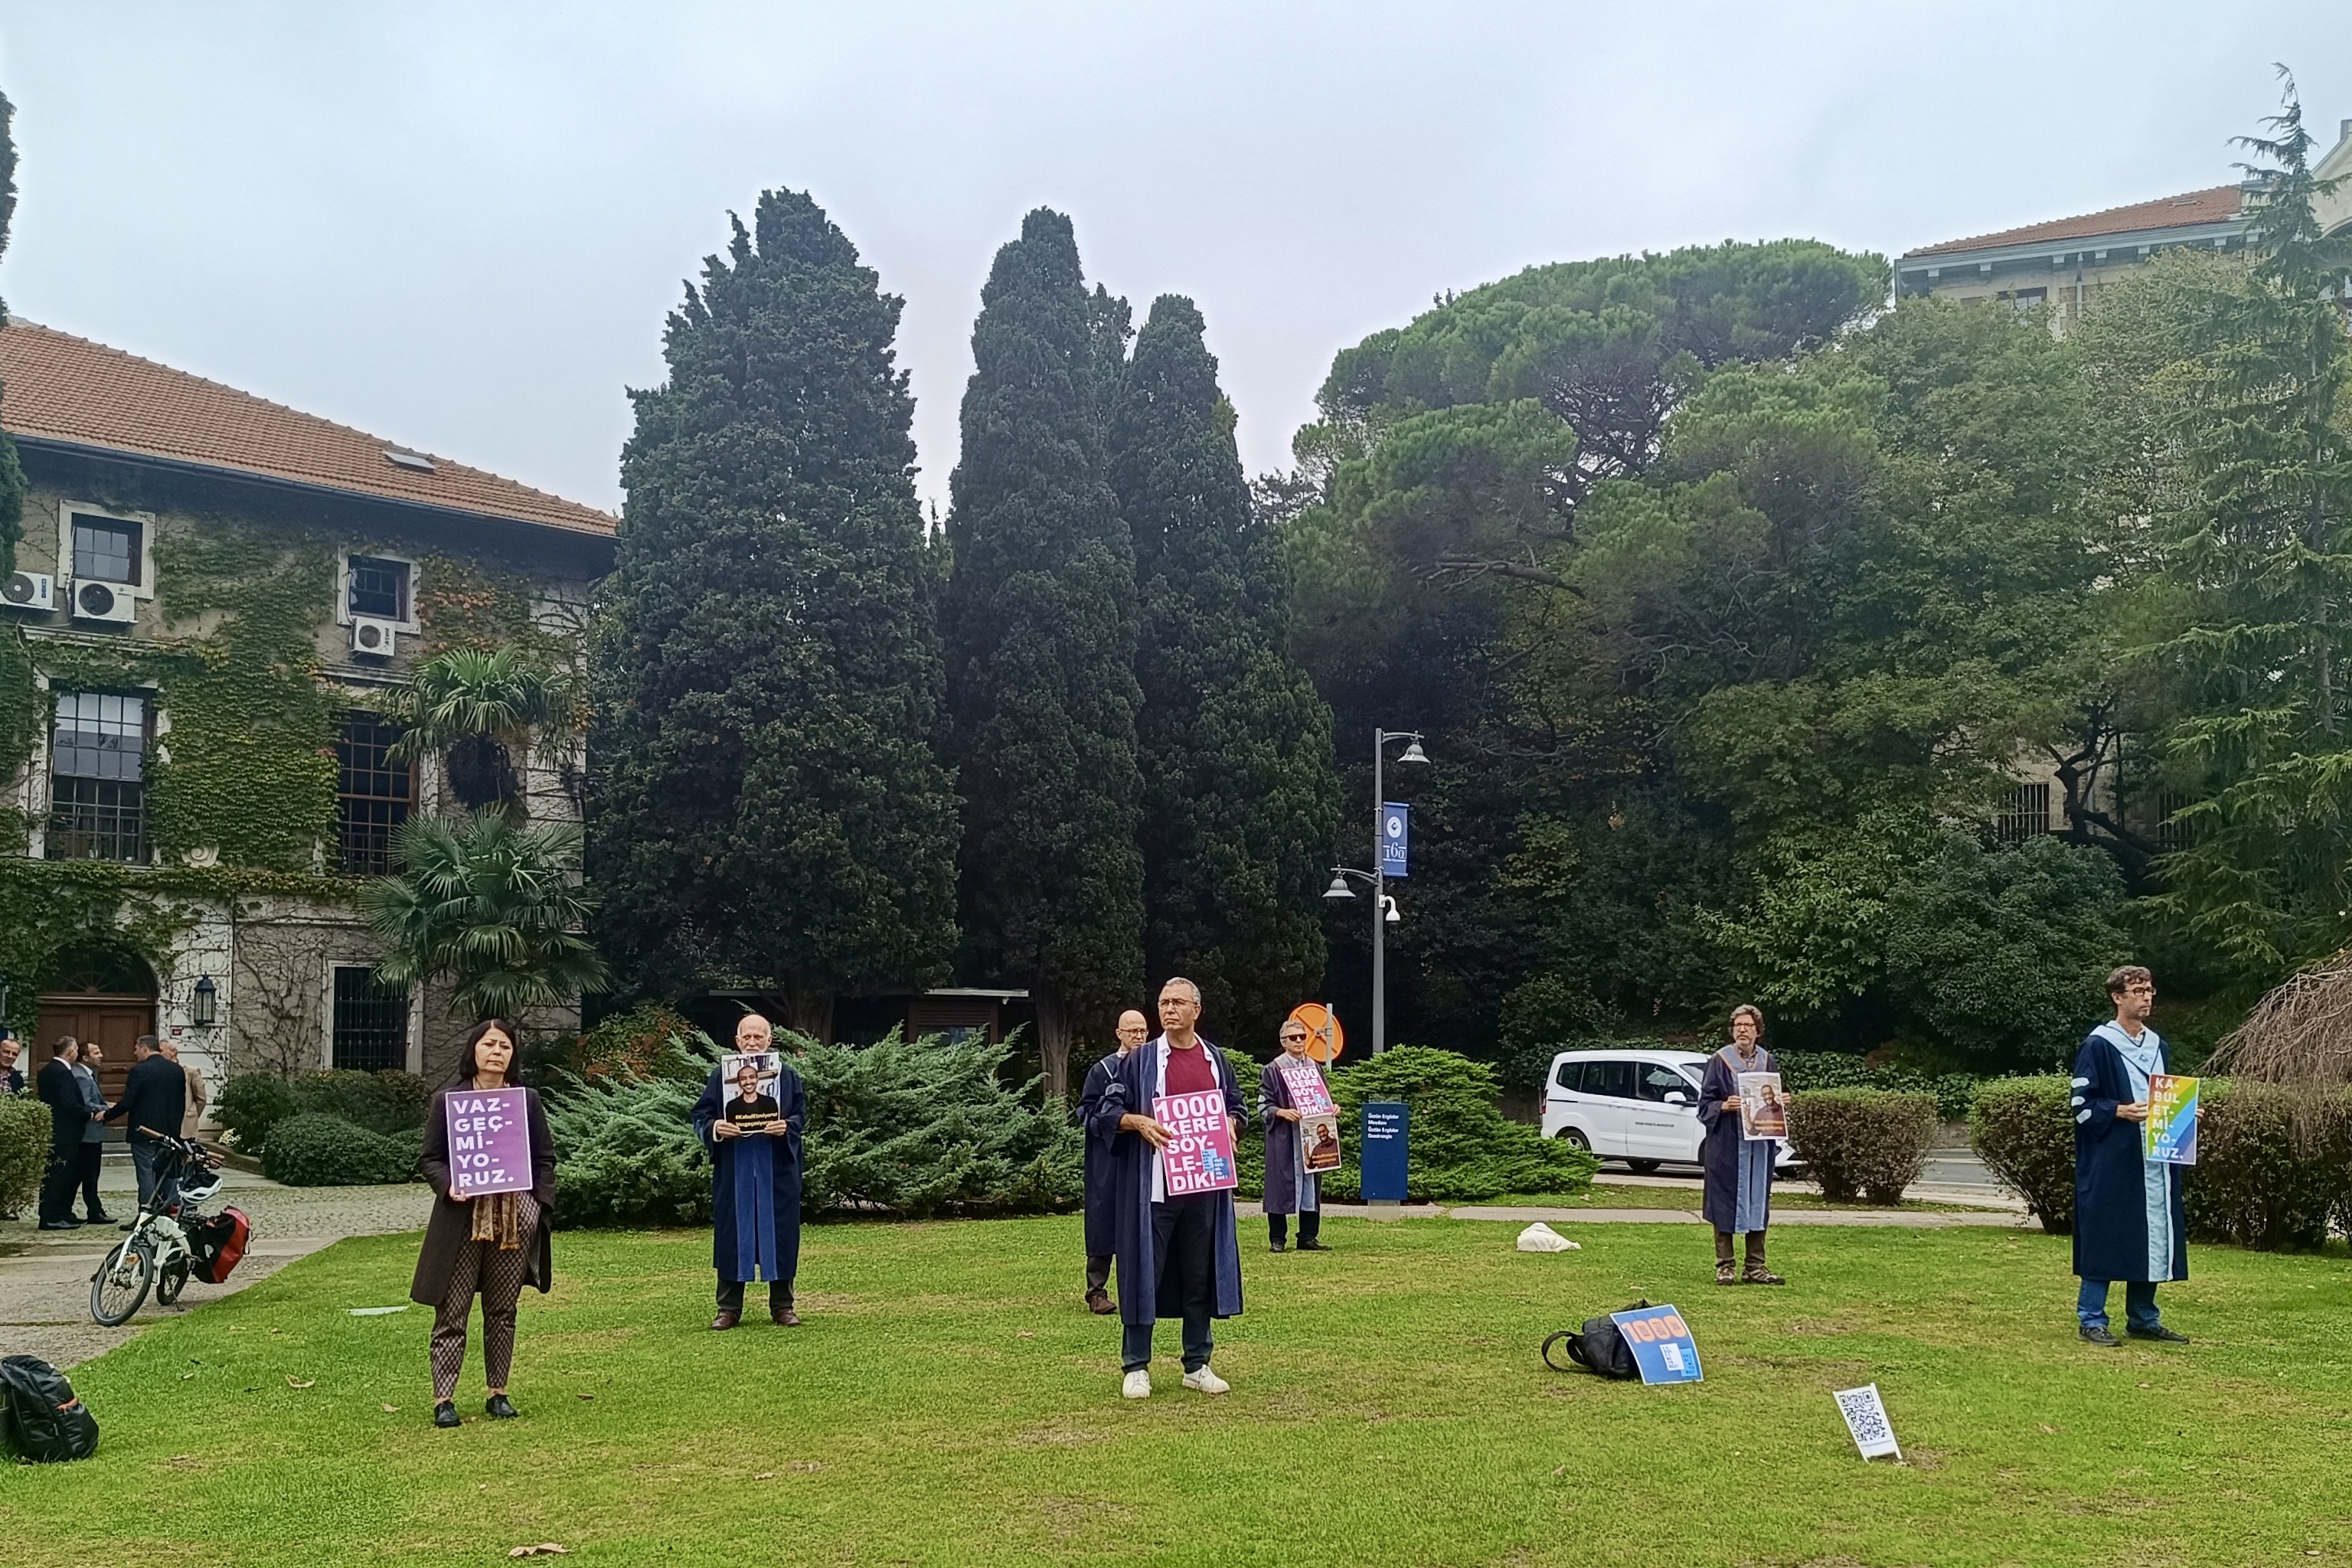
[(742, 1248), (1737, 1195), (1102, 1165), (1134, 1084), (2128, 1220)]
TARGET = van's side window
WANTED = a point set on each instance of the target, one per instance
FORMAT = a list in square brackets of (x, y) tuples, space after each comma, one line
[(1612, 1079), (1565, 1079)]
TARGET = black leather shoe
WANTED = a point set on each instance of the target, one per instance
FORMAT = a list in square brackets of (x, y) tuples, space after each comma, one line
[(101, 1217), (2101, 1337), (497, 1407), (1276, 1247), (2160, 1333), (1312, 1247), (445, 1413), (61, 1225)]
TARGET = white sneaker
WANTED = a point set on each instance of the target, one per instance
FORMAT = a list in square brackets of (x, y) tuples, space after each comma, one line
[(1206, 1382), (1138, 1385)]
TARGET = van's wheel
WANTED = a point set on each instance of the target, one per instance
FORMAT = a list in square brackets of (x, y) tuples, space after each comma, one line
[(1574, 1138), (171, 1281), (122, 1281), (1643, 1167)]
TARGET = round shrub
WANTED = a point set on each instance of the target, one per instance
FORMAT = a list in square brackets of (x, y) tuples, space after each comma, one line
[(315, 1149), (1459, 1146), (248, 1105), (2261, 1180), (24, 1150), (2024, 1130), (1862, 1142)]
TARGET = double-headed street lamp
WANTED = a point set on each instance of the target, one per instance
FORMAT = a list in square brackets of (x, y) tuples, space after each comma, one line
[(1384, 906)]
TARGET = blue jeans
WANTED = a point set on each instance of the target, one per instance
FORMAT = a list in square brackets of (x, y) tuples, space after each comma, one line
[(2139, 1304), (146, 1154)]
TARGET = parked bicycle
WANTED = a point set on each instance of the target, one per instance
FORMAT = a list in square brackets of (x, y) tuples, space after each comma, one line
[(171, 1240)]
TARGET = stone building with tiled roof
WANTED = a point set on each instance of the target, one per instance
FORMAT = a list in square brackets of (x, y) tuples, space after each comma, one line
[(2061, 264), (212, 593)]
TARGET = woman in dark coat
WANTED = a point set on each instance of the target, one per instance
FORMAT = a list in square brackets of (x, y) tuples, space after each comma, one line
[(1290, 1188), (491, 1246), (755, 1187), (1738, 1181)]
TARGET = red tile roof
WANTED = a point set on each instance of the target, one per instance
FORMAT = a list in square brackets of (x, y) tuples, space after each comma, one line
[(2220, 204), (66, 388)]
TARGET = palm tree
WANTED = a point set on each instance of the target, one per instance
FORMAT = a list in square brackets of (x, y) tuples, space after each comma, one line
[(479, 709), (492, 904)]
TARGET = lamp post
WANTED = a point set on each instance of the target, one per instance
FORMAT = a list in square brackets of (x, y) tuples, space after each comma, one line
[(1384, 908)]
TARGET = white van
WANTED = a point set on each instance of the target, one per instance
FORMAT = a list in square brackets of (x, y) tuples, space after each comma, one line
[(1638, 1106)]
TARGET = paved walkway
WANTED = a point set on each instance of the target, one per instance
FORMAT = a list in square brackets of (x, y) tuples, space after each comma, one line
[(45, 1274)]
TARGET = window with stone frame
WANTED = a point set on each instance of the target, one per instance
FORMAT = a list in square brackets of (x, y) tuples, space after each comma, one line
[(374, 793), (98, 777)]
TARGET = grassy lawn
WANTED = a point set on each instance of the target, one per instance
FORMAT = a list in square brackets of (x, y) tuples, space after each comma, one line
[(949, 1402)]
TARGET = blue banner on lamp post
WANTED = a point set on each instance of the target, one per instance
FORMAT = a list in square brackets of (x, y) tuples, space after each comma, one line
[(1395, 835)]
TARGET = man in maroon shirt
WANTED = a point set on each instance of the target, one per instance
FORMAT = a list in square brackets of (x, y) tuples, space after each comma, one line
[(1178, 1255)]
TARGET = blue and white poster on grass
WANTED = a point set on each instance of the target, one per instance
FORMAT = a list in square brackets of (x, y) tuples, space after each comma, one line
[(1395, 835), (1661, 1343)]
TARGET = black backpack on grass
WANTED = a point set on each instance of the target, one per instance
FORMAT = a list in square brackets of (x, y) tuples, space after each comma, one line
[(39, 1416), (1599, 1347)]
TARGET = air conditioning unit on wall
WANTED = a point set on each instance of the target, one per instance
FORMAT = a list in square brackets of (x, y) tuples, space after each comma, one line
[(110, 604), (29, 591), (373, 638)]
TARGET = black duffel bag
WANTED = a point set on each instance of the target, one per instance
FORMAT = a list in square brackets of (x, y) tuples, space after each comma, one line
[(40, 1417), (1598, 1347)]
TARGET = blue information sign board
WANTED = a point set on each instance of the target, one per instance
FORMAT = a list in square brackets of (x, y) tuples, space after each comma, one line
[(1396, 825), (1661, 1343), (1386, 1125)]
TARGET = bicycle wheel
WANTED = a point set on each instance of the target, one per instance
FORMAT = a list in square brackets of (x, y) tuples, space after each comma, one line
[(171, 1280), (121, 1283)]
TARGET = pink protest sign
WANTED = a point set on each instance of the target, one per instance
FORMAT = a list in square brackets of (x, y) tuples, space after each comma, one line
[(1308, 1096), (490, 1141), (1199, 1154)]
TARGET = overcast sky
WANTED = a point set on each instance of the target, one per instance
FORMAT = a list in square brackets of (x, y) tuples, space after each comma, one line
[(459, 226)]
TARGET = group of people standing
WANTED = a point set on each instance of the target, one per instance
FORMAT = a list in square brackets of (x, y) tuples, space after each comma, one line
[(162, 1098), (1178, 1255)]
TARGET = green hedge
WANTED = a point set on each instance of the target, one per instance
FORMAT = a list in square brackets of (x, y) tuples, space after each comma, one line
[(2024, 1130), (314, 1149), (24, 1150), (2265, 1177), (1459, 1146), (911, 1128), (1862, 1142), (386, 1103), (1954, 1092)]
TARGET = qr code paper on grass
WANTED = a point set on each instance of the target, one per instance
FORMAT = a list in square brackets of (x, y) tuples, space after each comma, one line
[(1866, 1417)]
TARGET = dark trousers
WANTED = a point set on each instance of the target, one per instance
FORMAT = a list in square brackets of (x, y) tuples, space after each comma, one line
[(1310, 1225), (1184, 1243), (93, 1159), (730, 1295), (146, 1154), (1097, 1271), (58, 1181)]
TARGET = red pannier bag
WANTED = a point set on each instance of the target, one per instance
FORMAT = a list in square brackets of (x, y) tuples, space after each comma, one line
[(216, 1244)]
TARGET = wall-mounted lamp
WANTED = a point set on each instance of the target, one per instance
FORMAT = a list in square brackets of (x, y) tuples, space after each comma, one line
[(206, 1012)]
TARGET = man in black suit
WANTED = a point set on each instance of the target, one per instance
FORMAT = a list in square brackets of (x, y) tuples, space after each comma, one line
[(12, 1076), (154, 1098), (62, 1092)]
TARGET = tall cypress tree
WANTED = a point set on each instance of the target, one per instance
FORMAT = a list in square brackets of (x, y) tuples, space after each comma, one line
[(768, 807), (1040, 622), (1241, 803)]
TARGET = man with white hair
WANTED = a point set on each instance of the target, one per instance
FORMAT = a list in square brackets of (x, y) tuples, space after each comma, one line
[(1102, 1166), (1178, 1255)]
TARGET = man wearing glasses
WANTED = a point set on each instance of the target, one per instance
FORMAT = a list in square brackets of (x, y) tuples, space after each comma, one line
[(1290, 1188), (1102, 1171)]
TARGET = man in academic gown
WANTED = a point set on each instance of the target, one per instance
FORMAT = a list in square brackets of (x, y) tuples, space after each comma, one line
[(1102, 1219), (2128, 1222), (1181, 1255), (755, 1187)]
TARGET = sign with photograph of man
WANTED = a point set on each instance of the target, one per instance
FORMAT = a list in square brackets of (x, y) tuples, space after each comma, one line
[(1763, 1106), (750, 1081), (1318, 1142)]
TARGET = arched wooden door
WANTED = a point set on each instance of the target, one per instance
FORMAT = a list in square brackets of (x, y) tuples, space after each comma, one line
[(104, 996)]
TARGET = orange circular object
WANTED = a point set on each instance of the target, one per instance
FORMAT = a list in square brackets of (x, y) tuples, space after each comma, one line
[(1325, 1038)]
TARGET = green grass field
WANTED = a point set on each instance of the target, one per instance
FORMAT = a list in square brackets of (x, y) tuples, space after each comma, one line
[(949, 1402)]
